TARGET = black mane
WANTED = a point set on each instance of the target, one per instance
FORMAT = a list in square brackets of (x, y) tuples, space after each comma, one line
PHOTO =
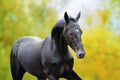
[(58, 27)]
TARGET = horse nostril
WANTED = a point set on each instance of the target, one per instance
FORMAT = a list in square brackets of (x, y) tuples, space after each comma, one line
[(81, 55)]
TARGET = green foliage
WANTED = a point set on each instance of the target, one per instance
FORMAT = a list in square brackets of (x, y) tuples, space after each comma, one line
[(21, 18)]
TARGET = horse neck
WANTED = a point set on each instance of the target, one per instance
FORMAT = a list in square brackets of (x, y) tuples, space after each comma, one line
[(58, 37), (60, 44)]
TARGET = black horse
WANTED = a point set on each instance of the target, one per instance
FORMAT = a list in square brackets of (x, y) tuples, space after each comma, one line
[(49, 57)]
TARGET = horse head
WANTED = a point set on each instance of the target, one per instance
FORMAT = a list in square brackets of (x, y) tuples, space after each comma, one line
[(72, 34)]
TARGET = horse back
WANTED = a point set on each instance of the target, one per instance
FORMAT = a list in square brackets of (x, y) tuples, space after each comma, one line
[(26, 43)]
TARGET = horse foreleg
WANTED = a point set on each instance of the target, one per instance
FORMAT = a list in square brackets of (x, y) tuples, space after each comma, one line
[(41, 78), (72, 76), (52, 77)]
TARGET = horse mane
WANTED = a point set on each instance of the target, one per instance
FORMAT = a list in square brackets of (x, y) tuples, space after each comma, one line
[(58, 27)]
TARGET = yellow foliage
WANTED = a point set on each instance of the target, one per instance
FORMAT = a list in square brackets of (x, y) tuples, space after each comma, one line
[(102, 55)]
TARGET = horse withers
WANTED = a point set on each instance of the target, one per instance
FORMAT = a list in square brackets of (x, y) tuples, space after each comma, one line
[(50, 57)]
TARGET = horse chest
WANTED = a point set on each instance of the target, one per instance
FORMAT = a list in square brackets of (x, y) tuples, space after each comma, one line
[(66, 65), (58, 66)]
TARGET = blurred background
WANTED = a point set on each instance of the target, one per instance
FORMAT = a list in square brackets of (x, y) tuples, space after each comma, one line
[(100, 22)]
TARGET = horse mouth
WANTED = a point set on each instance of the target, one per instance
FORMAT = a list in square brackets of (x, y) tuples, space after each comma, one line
[(80, 54)]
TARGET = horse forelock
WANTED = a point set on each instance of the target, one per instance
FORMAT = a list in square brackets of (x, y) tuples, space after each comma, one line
[(58, 27), (72, 19)]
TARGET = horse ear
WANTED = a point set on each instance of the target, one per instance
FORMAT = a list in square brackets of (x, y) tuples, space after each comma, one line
[(78, 16), (66, 17)]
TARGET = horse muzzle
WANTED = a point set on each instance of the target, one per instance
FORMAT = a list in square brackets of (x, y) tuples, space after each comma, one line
[(79, 50), (80, 54)]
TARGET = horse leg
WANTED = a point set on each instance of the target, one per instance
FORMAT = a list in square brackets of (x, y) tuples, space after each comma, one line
[(71, 76), (51, 77), (41, 78), (19, 73), (16, 69)]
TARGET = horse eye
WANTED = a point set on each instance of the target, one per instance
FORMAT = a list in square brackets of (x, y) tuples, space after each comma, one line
[(71, 34)]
